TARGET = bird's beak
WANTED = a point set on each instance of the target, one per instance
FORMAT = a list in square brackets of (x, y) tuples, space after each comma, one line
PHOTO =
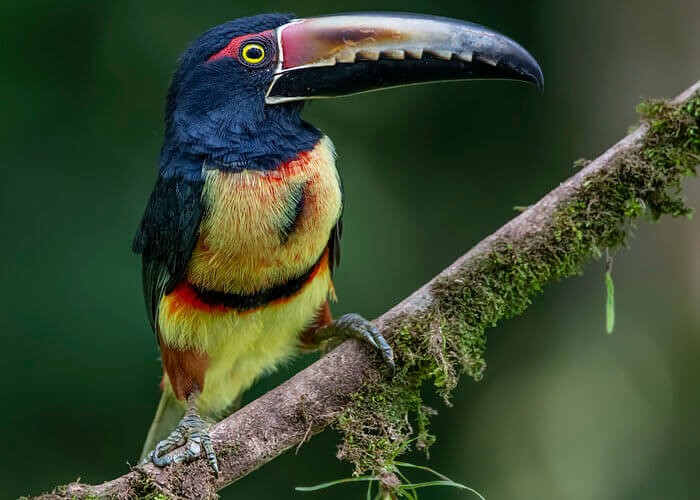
[(351, 53)]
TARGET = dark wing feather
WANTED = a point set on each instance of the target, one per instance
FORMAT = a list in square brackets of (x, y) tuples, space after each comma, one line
[(334, 244), (336, 233), (166, 237)]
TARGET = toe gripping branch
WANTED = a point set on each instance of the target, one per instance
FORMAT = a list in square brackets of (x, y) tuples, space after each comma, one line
[(356, 327), (187, 442)]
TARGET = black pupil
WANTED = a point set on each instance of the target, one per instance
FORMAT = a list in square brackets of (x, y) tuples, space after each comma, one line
[(254, 53)]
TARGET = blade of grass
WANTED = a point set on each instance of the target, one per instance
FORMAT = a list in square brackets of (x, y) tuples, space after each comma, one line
[(404, 479), (452, 484), (446, 481), (425, 468), (329, 484)]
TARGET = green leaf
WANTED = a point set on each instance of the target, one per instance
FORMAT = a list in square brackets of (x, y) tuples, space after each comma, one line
[(609, 303)]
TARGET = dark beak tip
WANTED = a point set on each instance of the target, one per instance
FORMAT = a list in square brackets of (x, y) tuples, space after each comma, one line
[(528, 73), (538, 80), (516, 63), (537, 76), (529, 70)]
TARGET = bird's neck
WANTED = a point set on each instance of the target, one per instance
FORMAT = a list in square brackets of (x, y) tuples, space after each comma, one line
[(233, 140)]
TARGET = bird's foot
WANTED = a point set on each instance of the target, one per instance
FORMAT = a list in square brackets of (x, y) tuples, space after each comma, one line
[(355, 326), (189, 441)]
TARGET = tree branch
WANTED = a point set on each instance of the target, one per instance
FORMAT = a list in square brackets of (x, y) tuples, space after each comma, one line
[(550, 240)]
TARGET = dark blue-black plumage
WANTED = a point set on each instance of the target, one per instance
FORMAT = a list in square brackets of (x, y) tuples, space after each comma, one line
[(216, 110), (216, 118)]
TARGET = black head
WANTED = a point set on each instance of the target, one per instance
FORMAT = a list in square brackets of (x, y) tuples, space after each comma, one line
[(216, 107)]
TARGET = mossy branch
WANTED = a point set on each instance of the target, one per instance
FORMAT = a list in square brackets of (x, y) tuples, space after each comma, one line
[(438, 332)]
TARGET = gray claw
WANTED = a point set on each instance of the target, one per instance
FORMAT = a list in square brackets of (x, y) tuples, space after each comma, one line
[(355, 326), (186, 443)]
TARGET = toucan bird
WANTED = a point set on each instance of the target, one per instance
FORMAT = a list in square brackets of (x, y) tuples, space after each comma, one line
[(241, 234)]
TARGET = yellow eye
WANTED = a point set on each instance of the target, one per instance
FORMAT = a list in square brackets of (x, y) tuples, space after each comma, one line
[(253, 53)]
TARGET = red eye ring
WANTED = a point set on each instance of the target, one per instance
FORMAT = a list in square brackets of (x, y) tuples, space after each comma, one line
[(265, 42)]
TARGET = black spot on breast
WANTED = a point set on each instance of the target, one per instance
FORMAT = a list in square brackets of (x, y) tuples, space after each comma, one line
[(292, 213)]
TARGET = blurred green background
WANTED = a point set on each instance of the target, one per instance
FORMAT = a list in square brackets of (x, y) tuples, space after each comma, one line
[(564, 412)]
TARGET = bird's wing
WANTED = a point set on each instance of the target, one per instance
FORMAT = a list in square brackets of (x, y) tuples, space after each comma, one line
[(166, 237)]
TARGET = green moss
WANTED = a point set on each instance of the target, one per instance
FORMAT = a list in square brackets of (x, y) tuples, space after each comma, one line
[(144, 489), (385, 418)]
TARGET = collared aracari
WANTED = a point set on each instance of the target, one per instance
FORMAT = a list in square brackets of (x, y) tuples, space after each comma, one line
[(241, 233)]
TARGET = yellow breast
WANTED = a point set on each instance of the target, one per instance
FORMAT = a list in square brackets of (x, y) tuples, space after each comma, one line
[(263, 228)]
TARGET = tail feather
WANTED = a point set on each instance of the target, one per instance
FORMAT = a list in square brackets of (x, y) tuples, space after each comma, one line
[(168, 415)]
